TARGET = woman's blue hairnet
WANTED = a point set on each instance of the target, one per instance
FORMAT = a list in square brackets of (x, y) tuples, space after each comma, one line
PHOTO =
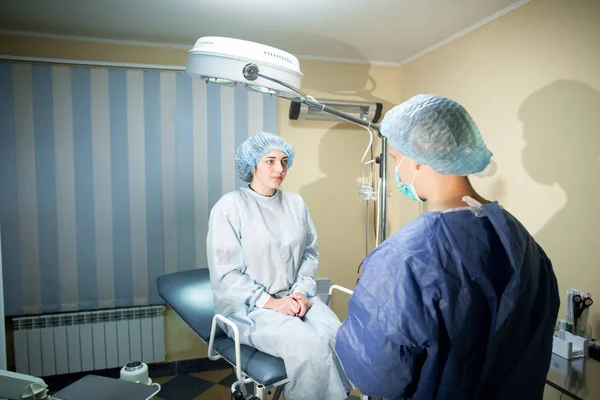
[(438, 132), (255, 147)]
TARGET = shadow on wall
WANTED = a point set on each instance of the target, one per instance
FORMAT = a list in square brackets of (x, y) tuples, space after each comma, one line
[(561, 126), (333, 200)]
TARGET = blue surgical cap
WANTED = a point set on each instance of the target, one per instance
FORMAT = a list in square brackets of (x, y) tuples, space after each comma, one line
[(438, 132), (255, 147)]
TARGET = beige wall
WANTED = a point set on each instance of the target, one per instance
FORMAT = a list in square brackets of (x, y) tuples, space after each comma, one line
[(531, 79), (327, 163), (79, 50)]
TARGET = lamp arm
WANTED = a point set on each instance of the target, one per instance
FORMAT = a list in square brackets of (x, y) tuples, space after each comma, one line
[(315, 104), (252, 72)]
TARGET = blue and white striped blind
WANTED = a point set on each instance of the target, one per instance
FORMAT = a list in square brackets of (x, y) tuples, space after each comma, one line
[(107, 177)]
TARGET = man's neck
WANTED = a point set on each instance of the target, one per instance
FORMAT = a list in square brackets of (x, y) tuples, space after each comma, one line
[(454, 188)]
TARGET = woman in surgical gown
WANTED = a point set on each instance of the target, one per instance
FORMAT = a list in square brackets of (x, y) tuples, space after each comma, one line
[(263, 258), (460, 303)]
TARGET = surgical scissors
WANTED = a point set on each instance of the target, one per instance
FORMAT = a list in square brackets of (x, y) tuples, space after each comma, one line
[(581, 303)]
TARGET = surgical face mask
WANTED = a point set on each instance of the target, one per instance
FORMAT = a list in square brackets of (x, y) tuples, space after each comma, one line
[(407, 189)]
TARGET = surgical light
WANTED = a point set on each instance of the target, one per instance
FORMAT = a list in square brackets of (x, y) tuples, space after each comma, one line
[(254, 66), (246, 64)]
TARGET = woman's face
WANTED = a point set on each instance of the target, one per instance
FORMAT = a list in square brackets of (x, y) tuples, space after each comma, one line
[(270, 171)]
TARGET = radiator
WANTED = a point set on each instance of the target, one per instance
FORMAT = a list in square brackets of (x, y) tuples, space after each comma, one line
[(85, 341)]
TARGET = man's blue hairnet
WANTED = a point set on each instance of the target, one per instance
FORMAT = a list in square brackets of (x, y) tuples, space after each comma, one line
[(438, 132), (255, 147)]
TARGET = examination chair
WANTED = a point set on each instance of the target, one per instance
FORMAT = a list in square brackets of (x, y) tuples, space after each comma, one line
[(190, 295)]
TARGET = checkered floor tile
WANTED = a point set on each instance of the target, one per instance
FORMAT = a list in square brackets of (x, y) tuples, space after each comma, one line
[(210, 385)]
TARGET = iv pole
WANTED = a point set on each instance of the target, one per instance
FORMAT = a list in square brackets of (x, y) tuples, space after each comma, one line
[(251, 72)]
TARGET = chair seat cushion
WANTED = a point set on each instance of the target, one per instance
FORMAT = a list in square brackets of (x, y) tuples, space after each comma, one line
[(189, 294)]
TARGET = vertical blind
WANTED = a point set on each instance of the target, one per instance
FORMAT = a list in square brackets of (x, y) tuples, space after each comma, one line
[(107, 178)]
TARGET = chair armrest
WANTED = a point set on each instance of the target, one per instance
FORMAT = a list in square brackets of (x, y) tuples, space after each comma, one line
[(236, 339), (341, 289)]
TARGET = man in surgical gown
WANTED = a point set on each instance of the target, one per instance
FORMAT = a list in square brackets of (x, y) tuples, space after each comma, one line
[(263, 258), (461, 303)]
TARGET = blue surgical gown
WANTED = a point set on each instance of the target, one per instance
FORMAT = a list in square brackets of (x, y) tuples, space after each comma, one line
[(455, 305)]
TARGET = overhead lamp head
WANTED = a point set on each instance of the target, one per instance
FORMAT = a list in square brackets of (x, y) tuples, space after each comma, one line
[(242, 63)]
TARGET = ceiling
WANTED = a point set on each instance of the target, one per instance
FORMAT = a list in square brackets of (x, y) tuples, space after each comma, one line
[(374, 31)]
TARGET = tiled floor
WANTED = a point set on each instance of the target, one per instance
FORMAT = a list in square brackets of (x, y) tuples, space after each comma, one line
[(210, 385), (195, 386)]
